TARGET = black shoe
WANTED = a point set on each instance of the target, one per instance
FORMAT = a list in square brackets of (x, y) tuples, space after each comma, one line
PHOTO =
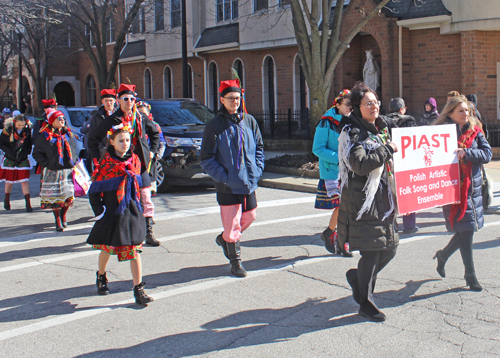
[(140, 296), (441, 261), (102, 284), (6, 202), (150, 239), (352, 279), (330, 238), (371, 313), (222, 243), (343, 251), (411, 230), (233, 251), (27, 200), (472, 282)]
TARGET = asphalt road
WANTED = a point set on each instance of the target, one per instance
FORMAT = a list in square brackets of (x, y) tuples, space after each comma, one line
[(294, 303)]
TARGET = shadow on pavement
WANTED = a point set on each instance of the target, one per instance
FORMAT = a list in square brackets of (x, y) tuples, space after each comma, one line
[(264, 326), (42, 251)]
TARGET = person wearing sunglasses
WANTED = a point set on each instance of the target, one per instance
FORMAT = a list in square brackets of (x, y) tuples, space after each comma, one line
[(232, 153), (142, 130), (367, 219)]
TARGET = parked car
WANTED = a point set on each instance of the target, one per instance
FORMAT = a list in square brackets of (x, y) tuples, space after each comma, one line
[(182, 122)]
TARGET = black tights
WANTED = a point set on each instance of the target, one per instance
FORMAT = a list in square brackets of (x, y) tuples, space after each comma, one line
[(463, 241)]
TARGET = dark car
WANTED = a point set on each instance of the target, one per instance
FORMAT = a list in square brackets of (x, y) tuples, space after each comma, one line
[(182, 122)]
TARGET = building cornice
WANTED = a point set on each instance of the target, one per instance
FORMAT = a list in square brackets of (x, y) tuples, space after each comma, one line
[(422, 23)]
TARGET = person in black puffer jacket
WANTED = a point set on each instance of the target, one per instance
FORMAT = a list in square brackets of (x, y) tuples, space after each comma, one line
[(399, 119), (467, 216), (367, 220)]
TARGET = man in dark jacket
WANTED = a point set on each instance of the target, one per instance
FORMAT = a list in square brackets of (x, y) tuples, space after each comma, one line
[(232, 153), (143, 129), (398, 119), (108, 100), (48, 105)]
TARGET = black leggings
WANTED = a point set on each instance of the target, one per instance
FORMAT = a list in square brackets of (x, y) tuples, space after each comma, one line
[(463, 241)]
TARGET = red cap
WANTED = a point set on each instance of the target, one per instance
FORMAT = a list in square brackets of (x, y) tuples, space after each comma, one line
[(52, 115), (49, 102), (126, 89), (108, 93), (229, 86)]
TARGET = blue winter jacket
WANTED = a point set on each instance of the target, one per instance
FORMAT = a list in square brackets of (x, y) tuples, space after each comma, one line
[(479, 153), (326, 144), (232, 153)]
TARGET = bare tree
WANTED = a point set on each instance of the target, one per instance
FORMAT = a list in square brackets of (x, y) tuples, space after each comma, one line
[(90, 23), (321, 49)]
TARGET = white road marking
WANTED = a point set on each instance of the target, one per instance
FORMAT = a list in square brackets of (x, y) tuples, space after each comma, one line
[(85, 228)]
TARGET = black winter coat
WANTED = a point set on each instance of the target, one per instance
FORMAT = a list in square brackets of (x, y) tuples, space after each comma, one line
[(46, 155), (90, 125), (398, 120), (478, 154), (129, 228), (142, 150), (16, 151), (369, 233)]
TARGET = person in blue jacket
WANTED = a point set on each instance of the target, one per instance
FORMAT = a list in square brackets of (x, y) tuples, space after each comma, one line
[(232, 153), (325, 147)]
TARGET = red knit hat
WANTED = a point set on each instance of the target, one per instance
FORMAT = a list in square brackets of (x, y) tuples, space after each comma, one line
[(111, 93), (229, 86), (126, 89), (52, 115), (49, 102)]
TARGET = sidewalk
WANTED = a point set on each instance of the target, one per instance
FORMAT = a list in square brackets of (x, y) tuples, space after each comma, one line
[(287, 179)]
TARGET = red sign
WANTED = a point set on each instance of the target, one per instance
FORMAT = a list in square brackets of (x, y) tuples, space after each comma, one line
[(426, 167)]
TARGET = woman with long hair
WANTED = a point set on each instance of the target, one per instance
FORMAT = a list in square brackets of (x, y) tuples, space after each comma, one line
[(467, 216), (325, 147)]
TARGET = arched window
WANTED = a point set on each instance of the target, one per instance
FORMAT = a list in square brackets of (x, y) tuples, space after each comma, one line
[(300, 89), (148, 85), (167, 83), (90, 90), (190, 82), (213, 88), (238, 66), (269, 85)]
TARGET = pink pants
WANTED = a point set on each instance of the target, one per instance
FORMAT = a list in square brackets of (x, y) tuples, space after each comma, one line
[(147, 205), (235, 221)]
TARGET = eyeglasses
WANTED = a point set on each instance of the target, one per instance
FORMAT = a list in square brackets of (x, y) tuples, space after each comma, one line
[(126, 99), (371, 104), (232, 99)]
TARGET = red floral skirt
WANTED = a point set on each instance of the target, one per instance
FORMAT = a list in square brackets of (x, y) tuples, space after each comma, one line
[(124, 253), (11, 173)]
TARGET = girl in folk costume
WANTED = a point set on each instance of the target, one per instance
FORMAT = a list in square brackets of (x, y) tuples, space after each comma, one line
[(15, 141), (325, 147), (467, 216), (115, 199), (53, 153)]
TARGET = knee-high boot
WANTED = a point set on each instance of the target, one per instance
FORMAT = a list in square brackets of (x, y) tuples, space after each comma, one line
[(467, 259), (6, 201), (29, 209), (233, 250), (150, 239), (443, 255), (62, 213), (57, 216)]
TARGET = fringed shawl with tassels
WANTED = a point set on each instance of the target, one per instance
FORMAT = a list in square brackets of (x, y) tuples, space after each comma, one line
[(123, 176), (383, 172)]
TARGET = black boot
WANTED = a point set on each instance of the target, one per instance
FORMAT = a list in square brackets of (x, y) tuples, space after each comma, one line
[(29, 209), (233, 251), (62, 213), (57, 216), (102, 284), (150, 239), (472, 282), (330, 238), (6, 201), (222, 243), (371, 312), (140, 296), (441, 261), (344, 251)]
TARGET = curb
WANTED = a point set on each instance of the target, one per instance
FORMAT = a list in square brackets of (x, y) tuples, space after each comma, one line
[(292, 172)]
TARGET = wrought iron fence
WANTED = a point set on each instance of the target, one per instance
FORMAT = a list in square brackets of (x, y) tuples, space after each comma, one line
[(283, 124)]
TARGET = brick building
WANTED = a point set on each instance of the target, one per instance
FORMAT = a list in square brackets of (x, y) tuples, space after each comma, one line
[(423, 48)]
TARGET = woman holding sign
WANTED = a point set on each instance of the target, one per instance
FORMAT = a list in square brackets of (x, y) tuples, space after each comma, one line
[(368, 202), (467, 216)]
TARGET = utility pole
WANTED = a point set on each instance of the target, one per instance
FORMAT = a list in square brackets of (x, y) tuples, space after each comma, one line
[(20, 92), (185, 92)]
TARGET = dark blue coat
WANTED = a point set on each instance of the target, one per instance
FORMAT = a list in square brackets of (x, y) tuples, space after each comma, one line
[(232, 153), (479, 153)]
